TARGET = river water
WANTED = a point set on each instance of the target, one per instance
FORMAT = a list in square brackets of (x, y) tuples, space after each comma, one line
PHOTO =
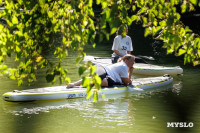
[(147, 112)]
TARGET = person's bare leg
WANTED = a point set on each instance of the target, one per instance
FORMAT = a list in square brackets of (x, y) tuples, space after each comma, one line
[(104, 82), (71, 85)]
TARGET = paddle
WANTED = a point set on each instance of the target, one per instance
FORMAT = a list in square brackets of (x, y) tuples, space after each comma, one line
[(140, 56), (138, 59), (146, 57)]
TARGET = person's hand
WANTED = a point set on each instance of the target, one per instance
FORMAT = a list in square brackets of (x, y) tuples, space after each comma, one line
[(131, 69), (70, 85)]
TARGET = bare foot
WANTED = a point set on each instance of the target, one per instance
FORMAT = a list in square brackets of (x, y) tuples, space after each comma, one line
[(70, 85)]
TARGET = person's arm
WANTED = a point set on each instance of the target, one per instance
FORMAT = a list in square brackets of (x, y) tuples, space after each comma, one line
[(128, 52), (130, 46), (117, 52), (71, 85), (128, 80)]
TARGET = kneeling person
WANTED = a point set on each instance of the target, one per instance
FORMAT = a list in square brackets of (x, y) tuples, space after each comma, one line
[(114, 74)]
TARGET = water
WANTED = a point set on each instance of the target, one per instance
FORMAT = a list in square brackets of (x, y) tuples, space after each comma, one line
[(146, 112)]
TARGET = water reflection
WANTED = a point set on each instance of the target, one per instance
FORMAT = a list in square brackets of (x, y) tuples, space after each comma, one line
[(127, 111), (113, 108), (177, 84)]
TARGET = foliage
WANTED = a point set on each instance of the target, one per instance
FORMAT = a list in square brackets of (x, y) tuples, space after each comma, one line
[(30, 28), (161, 20), (92, 81)]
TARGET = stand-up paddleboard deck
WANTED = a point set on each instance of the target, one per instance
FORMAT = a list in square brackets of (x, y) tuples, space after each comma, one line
[(61, 92), (140, 68)]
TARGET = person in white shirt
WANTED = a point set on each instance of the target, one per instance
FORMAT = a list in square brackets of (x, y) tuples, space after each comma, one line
[(122, 44), (114, 74)]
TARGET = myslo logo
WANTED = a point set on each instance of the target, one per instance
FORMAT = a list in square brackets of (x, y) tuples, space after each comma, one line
[(180, 124)]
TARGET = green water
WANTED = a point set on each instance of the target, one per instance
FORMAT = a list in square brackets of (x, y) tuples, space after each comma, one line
[(146, 112)]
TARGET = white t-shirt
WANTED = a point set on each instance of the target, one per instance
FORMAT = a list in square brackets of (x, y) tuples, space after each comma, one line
[(117, 71), (122, 44)]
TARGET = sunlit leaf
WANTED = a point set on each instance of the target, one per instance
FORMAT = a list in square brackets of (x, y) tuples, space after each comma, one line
[(90, 93), (38, 59), (147, 32), (50, 14), (195, 63), (18, 49), (134, 17), (86, 81), (14, 20), (133, 7), (104, 4), (95, 95), (194, 2), (92, 70), (98, 2), (20, 82), (181, 51), (113, 30)]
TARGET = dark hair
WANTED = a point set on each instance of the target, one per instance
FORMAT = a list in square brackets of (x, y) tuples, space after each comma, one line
[(121, 29)]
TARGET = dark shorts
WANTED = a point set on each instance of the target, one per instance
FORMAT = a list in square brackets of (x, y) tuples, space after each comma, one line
[(114, 59), (103, 74)]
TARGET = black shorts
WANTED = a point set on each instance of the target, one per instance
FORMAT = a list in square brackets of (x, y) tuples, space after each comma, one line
[(103, 74), (115, 59)]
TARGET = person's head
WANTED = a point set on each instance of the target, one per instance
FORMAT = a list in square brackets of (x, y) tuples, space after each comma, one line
[(129, 60), (122, 30)]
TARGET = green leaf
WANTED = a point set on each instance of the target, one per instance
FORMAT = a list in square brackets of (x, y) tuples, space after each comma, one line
[(56, 72), (147, 32), (94, 45), (14, 20), (86, 81), (50, 14), (96, 94), (134, 17), (90, 3), (104, 4), (79, 59), (90, 93), (20, 82), (67, 79), (133, 7), (183, 7), (108, 13), (98, 2), (92, 70), (172, 2), (50, 78), (97, 81), (187, 29), (163, 23), (195, 63), (194, 2), (18, 49), (81, 70), (113, 30), (144, 20), (181, 51)]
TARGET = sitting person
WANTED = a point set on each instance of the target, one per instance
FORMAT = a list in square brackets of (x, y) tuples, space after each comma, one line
[(115, 74), (122, 44)]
